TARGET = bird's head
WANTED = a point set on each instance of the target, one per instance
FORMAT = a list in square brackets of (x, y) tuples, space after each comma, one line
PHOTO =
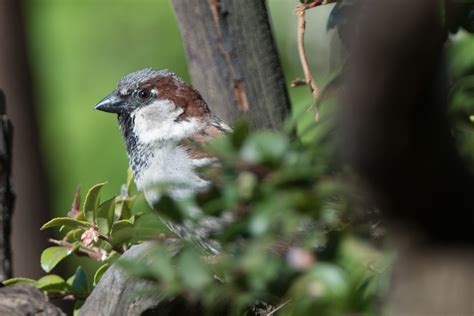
[(149, 87), (154, 104)]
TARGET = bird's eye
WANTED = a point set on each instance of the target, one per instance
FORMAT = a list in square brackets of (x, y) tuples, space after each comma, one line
[(144, 94)]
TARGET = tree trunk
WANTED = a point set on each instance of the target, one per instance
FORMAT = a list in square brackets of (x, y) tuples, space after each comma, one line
[(6, 194), (32, 208), (398, 138), (233, 60)]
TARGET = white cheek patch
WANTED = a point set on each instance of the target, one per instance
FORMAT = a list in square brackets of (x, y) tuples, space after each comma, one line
[(157, 122)]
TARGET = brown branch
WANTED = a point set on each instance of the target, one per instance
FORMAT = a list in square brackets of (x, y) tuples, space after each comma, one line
[(300, 10), (81, 250)]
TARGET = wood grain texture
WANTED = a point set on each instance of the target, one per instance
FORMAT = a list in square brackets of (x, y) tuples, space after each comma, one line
[(118, 294), (233, 61), (431, 280)]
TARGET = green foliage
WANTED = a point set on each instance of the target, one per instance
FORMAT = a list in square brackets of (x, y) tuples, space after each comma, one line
[(100, 231), (461, 94), (292, 244)]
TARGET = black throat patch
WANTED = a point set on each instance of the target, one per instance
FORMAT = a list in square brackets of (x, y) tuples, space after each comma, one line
[(139, 154)]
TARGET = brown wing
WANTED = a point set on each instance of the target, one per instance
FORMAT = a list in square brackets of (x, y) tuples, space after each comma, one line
[(211, 129)]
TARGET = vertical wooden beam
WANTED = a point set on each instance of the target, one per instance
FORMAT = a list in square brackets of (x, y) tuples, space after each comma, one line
[(233, 60)]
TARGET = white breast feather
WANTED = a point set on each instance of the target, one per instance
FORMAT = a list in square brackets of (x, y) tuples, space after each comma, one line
[(156, 126)]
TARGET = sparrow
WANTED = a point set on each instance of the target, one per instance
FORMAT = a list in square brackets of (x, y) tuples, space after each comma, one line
[(161, 117)]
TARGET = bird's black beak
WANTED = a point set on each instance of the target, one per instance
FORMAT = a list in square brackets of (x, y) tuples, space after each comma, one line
[(111, 104)]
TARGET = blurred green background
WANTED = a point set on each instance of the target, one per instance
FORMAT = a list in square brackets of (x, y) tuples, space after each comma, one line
[(80, 49)]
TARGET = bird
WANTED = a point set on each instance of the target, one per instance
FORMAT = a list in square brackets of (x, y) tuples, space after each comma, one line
[(161, 117)]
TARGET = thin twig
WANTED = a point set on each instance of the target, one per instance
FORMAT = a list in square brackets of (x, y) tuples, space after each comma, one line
[(300, 10), (278, 308), (81, 250)]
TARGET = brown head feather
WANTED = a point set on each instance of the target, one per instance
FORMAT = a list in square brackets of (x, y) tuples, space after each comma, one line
[(182, 94)]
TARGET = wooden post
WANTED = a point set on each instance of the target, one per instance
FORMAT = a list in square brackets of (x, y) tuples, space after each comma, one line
[(6, 193), (233, 61), (398, 139)]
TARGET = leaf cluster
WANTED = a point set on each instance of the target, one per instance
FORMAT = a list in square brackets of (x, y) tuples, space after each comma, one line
[(99, 230), (291, 245)]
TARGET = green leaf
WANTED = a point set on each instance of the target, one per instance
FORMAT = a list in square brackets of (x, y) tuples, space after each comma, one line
[(105, 216), (169, 208), (92, 201), (240, 133), (135, 217), (99, 273), (113, 255), (74, 235), (51, 256), (18, 281), (80, 282), (77, 306), (65, 221), (52, 283), (332, 278), (122, 232), (129, 180), (223, 147), (123, 207), (264, 147), (195, 273)]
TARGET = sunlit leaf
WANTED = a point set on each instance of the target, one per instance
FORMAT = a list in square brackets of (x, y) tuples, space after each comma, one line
[(92, 201), (18, 281), (100, 272), (65, 221), (52, 283), (51, 256)]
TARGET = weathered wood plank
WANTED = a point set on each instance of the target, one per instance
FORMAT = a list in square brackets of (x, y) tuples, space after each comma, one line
[(233, 61)]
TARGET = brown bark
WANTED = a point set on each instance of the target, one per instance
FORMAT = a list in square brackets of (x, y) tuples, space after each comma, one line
[(118, 294), (233, 60), (432, 280), (6, 193), (398, 138), (32, 208), (23, 300)]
